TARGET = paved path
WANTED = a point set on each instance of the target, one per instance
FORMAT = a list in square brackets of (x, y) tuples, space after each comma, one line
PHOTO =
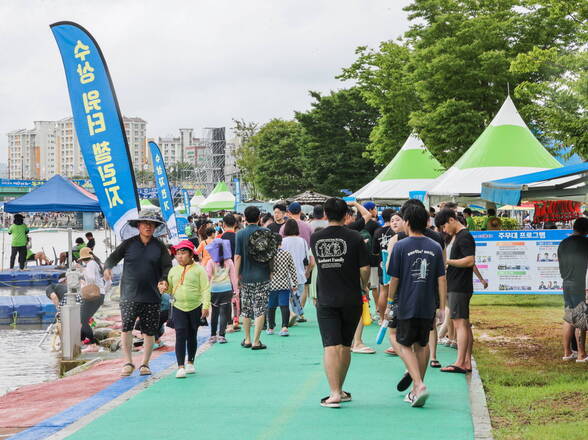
[(274, 394)]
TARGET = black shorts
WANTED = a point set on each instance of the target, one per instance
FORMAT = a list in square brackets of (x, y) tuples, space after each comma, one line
[(459, 305), (337, 324), (413, 331), (148, 313)]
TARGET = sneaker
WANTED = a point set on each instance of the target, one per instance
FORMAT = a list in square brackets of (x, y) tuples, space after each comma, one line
[(453, 345), (447, 342), (221, 340), (419, 399), (270, 331), (212, 339), (284, 333), (181, 374), (190, 369), (408, 397), (158, 345), (571, 357)]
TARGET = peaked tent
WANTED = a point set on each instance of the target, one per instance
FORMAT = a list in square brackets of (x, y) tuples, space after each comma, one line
[(58, 194), (413, 168), (506, 148), (197, 199), (220, 199)]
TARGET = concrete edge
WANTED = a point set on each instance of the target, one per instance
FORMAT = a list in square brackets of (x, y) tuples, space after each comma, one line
[(79, 424), (479, 406)]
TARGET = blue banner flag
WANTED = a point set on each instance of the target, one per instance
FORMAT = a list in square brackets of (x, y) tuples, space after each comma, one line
[(237, 182), (166, 202), (186, 201), (98, 123)]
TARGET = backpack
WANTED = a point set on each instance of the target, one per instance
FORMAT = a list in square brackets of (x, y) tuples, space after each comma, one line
[(263, 246)]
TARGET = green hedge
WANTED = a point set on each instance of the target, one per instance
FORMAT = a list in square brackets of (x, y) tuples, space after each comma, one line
[(507, 222)]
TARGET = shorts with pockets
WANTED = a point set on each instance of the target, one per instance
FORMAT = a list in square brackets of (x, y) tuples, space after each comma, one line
[(337, 324), (413, 331), (148, 313), (254, 298), (459, 305)]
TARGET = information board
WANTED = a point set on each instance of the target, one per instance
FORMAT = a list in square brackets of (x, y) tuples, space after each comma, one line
[(519, 262)]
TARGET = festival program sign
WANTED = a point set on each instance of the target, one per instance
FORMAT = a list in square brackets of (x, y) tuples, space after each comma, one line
[(523, 262), (98, 123)]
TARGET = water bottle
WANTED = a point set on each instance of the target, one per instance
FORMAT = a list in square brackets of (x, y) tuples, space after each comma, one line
[(382, 332)]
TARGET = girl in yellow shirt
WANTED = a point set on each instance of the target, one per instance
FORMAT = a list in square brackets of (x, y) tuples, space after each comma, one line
[(190, 290)]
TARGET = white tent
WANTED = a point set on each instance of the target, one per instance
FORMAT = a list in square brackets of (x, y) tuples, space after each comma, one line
[(412, 169), (196, 201), (506, 148)]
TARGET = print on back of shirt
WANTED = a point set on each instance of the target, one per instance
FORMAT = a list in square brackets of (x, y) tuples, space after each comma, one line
[(331, 252)]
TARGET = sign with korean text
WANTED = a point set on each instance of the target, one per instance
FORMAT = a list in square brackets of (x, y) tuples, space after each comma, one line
[(186, 198), (98, 123), (521, 262), (166, 201)]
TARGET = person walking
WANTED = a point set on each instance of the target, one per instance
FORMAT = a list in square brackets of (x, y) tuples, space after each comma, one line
[(572, 255), (223, 286), (201, 252), (190, 291), (343, 274), (92, 280), (284, 281), (254, 280), (304, 230), (146, 266), (417, 281), (19, 232), (279, 218), (460, 286), (297, 247)]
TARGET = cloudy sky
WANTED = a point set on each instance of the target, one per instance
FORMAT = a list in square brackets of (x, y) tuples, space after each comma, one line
[(189, 63)]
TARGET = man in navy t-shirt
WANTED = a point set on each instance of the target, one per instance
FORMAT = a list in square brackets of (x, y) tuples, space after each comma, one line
[(418, 279)]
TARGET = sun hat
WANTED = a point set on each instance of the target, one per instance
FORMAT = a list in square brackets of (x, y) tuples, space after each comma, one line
[(185, 244), (85, 253), (146, 216), (294, 208)]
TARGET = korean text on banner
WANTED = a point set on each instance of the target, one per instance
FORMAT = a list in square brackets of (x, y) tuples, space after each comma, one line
[(186, 198), (98, 123), (164, 194)]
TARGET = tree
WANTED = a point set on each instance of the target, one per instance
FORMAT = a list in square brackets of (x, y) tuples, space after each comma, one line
[(277, 147), (246, 155), (383, 78), (337, 130), (144, 177)]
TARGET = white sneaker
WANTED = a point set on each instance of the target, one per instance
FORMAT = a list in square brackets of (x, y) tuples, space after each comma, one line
[(181, 374), (190, 369)]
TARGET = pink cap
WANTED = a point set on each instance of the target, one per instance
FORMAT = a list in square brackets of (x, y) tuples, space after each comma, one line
[(185, 244)]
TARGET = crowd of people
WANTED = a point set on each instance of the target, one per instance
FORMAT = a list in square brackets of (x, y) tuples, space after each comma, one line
[(415, 265)]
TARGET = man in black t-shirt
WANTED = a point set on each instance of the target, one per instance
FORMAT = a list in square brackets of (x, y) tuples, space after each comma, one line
[(279, 218), (343, 275), (572, 254), (460, 286)]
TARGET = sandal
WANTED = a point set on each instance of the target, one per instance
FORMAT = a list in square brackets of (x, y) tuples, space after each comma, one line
[(144, 370), (326, 404), (127, 370), (391, 351), (346, 397), (363, 350), (261, 346), (435, 364), (453, 369), (244, 345)]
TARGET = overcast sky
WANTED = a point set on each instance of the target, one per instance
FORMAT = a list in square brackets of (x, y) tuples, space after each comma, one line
[(189, 63)]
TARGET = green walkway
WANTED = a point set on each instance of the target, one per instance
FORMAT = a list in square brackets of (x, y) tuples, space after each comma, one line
[(274, 394)]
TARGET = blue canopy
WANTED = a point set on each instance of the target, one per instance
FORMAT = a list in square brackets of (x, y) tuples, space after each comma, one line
[(511, 190), (58, 194)]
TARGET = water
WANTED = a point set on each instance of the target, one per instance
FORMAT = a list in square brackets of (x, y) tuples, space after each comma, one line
[(22, 362)]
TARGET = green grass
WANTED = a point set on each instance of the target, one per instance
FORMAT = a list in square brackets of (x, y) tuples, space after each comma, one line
[(531, 393)]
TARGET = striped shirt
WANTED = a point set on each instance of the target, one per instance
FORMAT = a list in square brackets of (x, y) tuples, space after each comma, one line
[(284, 275)]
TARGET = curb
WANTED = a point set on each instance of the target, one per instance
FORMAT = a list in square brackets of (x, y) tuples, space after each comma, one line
[(479, 406)]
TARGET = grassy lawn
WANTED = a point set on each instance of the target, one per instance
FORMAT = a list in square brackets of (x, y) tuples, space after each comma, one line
[(532, 393)]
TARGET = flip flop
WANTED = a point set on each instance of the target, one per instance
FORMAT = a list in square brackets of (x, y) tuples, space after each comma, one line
[(326, 404), (363, 350), (126, 371), (346, 397), (404, 383), (435, 364), (453, 369), (244, 345), (144, 370), (391, 352), (261, 346)]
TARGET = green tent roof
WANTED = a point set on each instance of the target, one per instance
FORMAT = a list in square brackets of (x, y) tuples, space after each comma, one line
[(219, 199)]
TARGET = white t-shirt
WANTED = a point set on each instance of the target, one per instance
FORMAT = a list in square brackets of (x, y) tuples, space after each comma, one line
[(299, 250)]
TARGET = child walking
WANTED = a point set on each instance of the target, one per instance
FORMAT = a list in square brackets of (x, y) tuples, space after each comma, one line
[(223, 283), (190, 292), (283, 281)]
